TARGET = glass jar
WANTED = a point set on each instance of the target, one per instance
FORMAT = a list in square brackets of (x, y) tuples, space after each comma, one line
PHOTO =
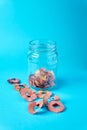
[(42, 64)]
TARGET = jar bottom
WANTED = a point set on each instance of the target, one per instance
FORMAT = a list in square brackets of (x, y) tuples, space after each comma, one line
[(41, 89)]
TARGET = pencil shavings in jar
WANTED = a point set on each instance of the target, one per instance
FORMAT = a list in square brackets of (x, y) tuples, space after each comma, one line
[(42, 78)]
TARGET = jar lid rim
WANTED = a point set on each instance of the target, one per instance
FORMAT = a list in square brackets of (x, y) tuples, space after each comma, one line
[(42, 42)]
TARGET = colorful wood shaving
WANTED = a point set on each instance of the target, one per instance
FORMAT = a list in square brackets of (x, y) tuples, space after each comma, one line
[(32, 105), (14, 81)]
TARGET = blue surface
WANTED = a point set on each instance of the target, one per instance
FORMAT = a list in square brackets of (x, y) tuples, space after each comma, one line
[(65, 22)]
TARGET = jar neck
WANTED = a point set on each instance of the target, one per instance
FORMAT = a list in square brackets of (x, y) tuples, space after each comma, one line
[(42, 46)]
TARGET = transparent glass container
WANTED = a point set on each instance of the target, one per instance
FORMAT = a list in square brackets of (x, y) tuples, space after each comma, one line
[(42, 64)]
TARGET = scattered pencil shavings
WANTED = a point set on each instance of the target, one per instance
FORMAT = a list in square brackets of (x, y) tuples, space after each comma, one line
[(42, 78), (47, 98), (14, 81), (32, 105)]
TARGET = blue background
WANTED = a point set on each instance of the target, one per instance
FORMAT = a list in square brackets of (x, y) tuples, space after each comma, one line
[(64, 21)]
